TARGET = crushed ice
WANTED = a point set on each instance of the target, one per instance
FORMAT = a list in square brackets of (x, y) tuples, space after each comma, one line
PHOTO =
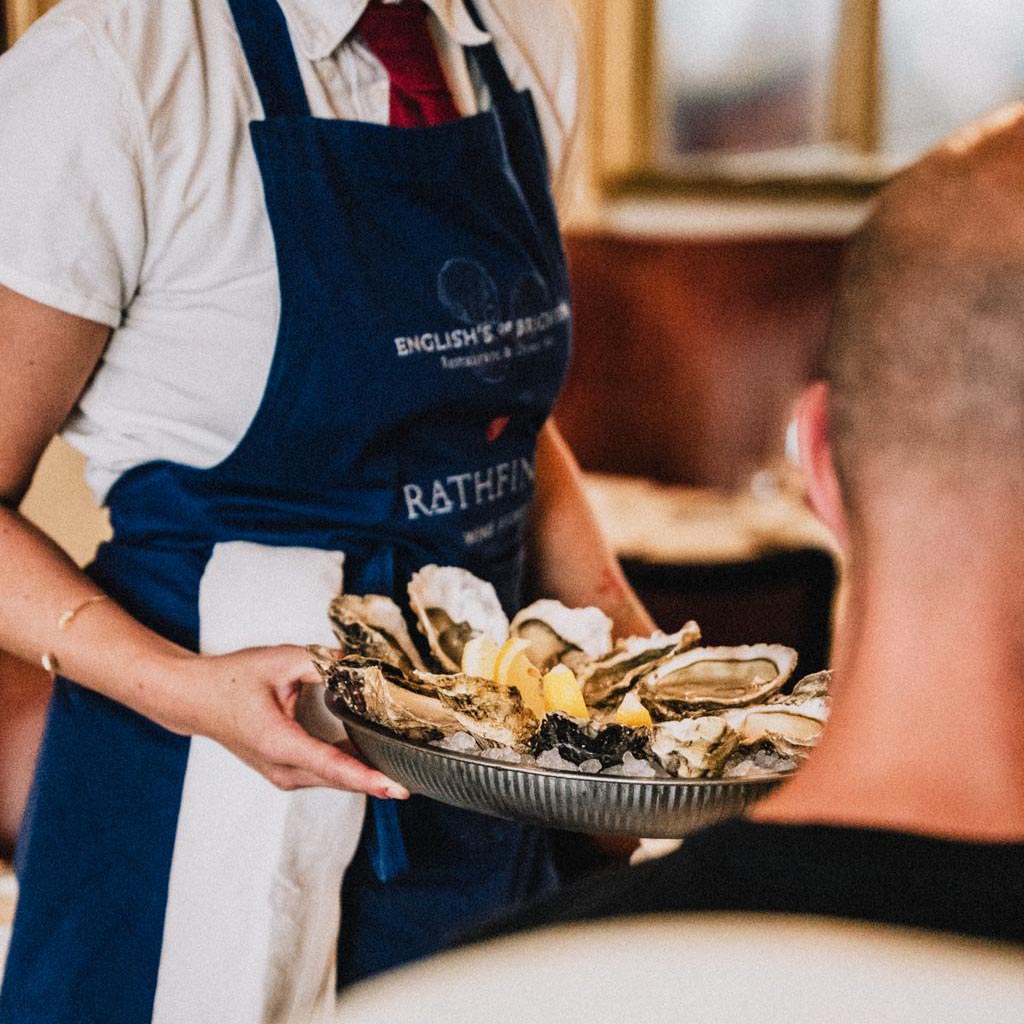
[(553, 759), (460, 742), (506, 754), (636, 767), (760, 763), (770, 761), (632, 767)]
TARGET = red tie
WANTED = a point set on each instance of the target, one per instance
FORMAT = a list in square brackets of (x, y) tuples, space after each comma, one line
[(398, 36)]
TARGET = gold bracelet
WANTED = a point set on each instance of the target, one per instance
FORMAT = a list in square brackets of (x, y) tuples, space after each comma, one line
[(49, 659), (65, 617)]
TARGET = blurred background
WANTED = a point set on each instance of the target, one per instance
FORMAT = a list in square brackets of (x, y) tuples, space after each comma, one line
[(728, 149)]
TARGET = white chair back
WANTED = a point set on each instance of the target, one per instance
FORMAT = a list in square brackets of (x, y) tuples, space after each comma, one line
[(704, 969)]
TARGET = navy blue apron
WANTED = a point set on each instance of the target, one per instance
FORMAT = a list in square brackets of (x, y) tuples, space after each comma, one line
[(424, 336)]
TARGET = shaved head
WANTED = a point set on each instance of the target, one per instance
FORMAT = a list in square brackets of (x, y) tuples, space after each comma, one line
[(925, 353)]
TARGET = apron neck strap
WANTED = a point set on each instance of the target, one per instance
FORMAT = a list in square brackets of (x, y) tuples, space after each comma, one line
[(270, 53), (268, 48), (489, 63)]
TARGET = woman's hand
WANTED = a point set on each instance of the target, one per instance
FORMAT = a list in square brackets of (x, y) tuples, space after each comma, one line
[(247, 701)]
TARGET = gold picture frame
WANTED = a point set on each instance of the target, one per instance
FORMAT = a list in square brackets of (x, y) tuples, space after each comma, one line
[(622, 55)]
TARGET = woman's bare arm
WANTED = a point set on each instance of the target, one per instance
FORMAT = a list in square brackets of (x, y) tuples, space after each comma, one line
[(571, 558), (246, 700)]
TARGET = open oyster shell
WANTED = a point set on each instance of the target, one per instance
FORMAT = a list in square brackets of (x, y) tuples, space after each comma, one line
[(791, 729), (373, 627), (493, 714), (557, 633), (693, 748), (380, 692), (452, 606), (813, 687), (579, 741), (605, 681), (714, 677)]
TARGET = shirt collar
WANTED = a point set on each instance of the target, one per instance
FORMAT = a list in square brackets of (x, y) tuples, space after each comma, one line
[(319, 26)]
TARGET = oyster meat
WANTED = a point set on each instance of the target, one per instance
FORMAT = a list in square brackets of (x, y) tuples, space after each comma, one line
[(791, 730), (605, 681), (372, 627), (714, 677), (453, 606), (578, 741), (493, 714), (381, 693), (693, 748), (557, 633)]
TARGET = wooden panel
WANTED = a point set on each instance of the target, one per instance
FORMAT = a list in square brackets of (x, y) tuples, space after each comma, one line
[(688, 354), (62, 506), (19, 14)]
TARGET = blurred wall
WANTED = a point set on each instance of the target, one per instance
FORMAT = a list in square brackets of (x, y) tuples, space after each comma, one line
[(689, 352), (61, 505)]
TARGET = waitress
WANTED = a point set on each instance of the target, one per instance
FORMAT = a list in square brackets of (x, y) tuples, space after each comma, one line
[(291, 278)]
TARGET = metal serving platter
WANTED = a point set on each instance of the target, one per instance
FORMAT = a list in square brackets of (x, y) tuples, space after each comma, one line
[(603, 804)]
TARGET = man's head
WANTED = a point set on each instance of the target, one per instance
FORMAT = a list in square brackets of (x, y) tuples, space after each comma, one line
[(925, 354)]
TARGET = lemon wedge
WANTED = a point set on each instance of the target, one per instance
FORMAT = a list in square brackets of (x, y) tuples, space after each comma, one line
[(562, 692), (631, 712), (479, 657), (513, 668), (507, 654)]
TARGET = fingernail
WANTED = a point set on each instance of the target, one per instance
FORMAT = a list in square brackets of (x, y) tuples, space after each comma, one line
[(396, 792)]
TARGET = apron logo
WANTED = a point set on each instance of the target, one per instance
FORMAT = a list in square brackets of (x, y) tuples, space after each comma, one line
[(497, 427), (495, 331), (463, 491)]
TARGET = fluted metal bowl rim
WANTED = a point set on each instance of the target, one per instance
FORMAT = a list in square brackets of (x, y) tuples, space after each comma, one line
[(337, 707)]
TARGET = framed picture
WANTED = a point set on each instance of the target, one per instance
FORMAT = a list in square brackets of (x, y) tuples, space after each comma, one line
[(806, 98)]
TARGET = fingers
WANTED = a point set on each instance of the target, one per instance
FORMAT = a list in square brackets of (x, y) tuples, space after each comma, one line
[(285, 753), (294, 663), (297, 751), (289, 779)]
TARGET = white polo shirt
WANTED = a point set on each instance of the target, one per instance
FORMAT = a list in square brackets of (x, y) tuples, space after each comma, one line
[(130, 194)]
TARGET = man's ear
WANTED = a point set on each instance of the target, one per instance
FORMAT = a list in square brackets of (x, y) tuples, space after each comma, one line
[(816, 460)]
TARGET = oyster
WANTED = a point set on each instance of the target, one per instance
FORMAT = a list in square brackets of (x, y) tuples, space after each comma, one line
[(791, 730), (606, 680), (714, 677), (453, 606), (693, 748), (382, 693), (813, 687), (577, 740), (493, 714), (373, 627), (556, 632)]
